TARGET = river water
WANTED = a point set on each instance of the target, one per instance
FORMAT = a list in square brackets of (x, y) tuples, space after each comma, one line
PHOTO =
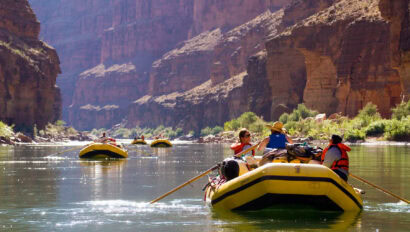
[(39, 192)]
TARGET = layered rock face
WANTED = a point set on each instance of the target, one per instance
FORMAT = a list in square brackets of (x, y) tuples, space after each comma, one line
[(346, 53), (117, 32), (28, 69), (190, 110), (397, 13), (199, 63), (332, 55)]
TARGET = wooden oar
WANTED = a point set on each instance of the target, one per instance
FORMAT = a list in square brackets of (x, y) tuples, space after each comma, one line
[(71, 149), (200, 175), (379, 188)]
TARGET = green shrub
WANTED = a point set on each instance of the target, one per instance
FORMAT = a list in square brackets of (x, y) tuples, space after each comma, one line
[(376, 128), (258, 127), (353, 135), (368, 114), (122, 133), (284, 118), (5, 130), (179, 131), (217, 130), (60, 123), (232, 125), (398, 130), (206, 131), (247, 118), (401, 111), (301, 112)]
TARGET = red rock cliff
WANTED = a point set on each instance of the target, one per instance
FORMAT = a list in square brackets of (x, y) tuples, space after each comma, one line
[(28, 69), (117, 32), (346, 51)]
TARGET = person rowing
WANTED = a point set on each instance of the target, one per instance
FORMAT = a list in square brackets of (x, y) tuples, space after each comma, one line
[(105, 139), (242, 145)]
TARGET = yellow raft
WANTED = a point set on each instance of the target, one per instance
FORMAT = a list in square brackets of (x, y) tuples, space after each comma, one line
[(139, 142), (161, 143), (285, 185), (102, 150)]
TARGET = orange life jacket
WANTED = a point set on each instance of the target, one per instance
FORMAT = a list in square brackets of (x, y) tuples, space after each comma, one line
[(238, 147), (343, 162)]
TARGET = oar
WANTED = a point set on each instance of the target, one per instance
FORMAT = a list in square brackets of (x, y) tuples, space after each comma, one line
[(199, 176), (71, 149), (379, 188)]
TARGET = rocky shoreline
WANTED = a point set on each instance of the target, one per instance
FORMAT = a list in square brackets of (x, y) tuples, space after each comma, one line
[(21, 139)]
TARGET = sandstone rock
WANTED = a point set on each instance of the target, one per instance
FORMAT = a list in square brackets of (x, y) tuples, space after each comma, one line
[(334, 116), (236, 46), (185, 67), (28, 70), (139, 31), (343, 52), (191, 110), (320, 117), (107, 92), (23, 138)]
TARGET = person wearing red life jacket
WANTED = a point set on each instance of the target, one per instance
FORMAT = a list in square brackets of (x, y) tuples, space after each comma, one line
[(335, 157), (243, 144), (105, 139)]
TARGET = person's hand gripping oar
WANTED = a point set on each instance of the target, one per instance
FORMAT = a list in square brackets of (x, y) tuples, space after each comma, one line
[(201, 175)]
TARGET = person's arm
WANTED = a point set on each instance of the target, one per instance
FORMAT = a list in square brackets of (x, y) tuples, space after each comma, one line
[(263, 144), (289, 139)]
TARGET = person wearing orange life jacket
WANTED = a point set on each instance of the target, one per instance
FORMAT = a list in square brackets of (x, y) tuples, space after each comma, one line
[(335, 157), (242, 145)]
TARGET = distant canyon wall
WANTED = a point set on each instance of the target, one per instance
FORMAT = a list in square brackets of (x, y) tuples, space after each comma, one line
[(122, 32), (28, 70), (190, 64)]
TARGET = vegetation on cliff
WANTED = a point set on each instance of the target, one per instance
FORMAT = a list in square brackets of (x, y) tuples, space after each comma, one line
[(5, 130), (129, 133), (303, 122)]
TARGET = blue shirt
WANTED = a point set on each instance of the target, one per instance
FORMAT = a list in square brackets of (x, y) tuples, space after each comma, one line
[(277, 140)]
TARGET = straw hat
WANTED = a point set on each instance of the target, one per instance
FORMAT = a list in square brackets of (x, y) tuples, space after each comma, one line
[(277, 126)]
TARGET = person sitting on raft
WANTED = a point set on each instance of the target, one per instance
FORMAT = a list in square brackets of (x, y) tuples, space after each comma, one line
[(243, 144), (105, 139), (335, 157), (277, 139)]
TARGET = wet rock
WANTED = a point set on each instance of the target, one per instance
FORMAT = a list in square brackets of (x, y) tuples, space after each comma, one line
[(24, 138)]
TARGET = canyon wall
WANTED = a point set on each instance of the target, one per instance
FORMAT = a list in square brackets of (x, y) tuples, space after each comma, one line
[(199, 63), (28, 70), (120, 32), (346, 51)]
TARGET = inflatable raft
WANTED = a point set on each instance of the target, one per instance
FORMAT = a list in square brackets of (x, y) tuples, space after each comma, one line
[(161, 143), (284, 185), (102, 150), (139, 142)]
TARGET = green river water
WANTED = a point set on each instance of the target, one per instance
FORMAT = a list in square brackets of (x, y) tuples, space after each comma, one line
[(63, 193)]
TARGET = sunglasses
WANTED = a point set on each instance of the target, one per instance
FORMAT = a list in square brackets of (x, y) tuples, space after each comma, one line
[(247, 135)]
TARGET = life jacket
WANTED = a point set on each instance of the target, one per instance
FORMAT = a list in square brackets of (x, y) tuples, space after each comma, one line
[(277, 140), (343, 162), (238, 147)]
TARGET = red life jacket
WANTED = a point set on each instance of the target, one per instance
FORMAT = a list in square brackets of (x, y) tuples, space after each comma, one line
[(238, 147), (343, 162)]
